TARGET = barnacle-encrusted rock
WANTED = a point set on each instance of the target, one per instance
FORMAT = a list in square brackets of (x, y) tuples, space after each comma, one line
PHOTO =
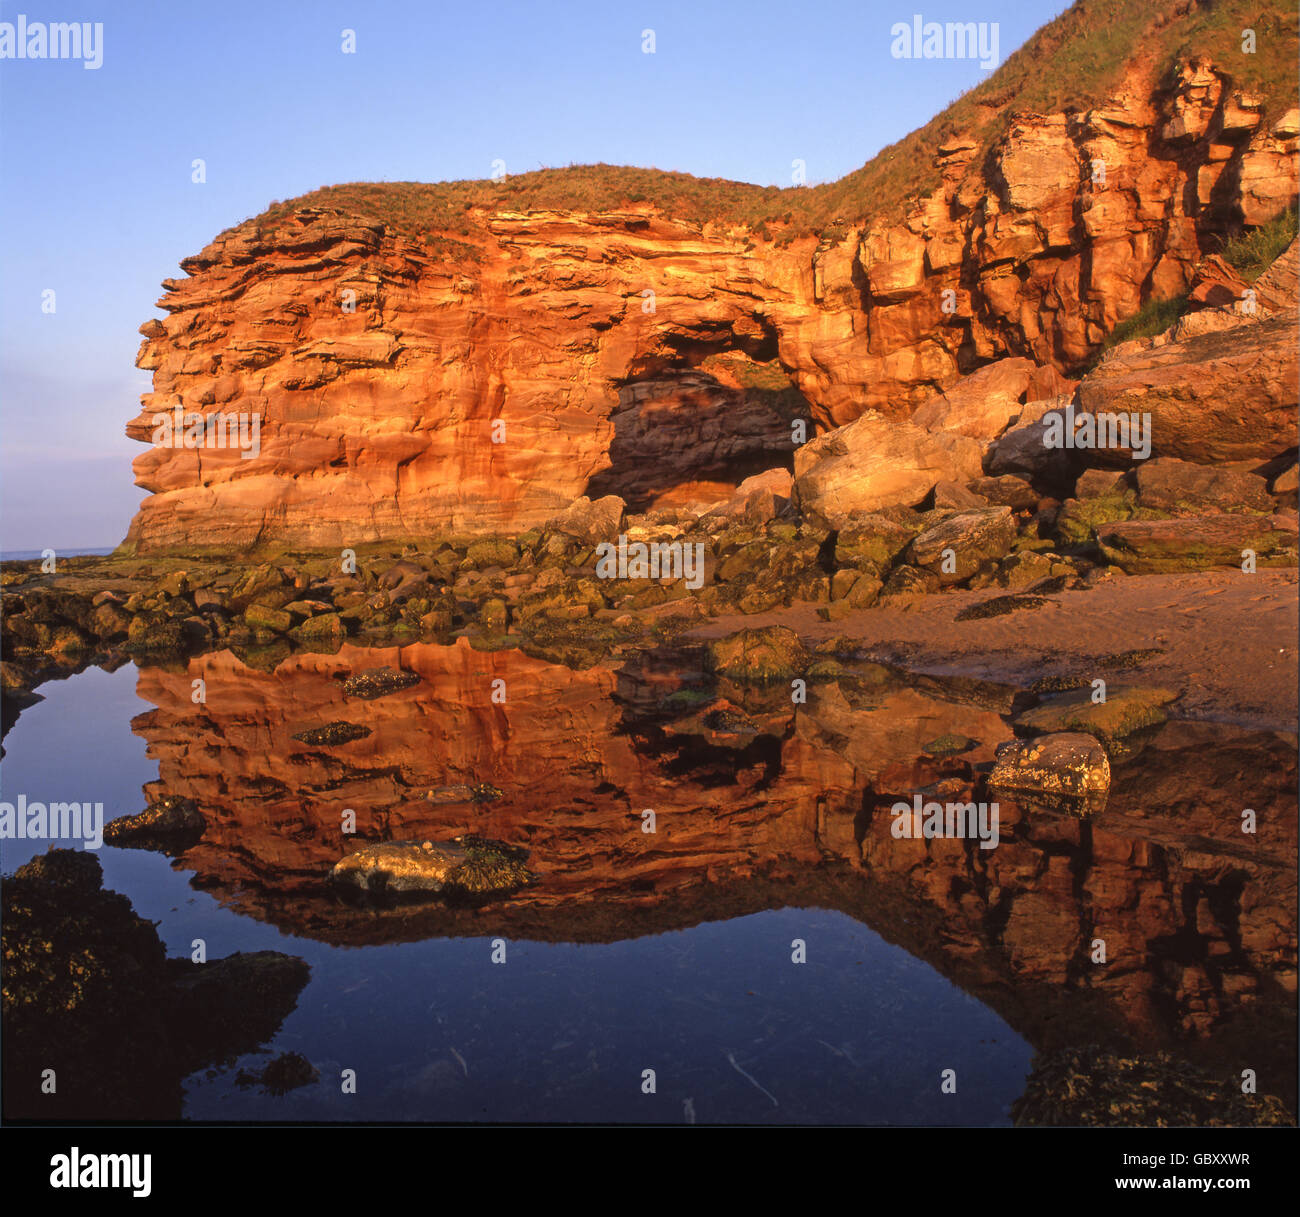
[(1068, 771)]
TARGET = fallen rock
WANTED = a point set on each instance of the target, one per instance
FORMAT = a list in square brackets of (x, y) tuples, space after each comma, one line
[(1213, 398), (1215, 284), (1008, 490), (980, 405), (591, 522), (1022, 450)]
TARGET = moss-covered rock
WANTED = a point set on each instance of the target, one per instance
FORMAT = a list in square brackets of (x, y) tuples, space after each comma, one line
[(1125, 710), (770, 653)]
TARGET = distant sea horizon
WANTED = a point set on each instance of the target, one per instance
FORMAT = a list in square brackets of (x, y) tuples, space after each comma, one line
[(26, 555)]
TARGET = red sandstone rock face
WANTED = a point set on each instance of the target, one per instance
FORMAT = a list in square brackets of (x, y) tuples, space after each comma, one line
[(481, 396)]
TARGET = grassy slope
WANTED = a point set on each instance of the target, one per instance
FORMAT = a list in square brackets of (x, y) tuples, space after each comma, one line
[(1074, 62)]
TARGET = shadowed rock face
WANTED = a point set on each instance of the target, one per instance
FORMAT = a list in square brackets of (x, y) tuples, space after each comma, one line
[(378, 420), (760, 803)]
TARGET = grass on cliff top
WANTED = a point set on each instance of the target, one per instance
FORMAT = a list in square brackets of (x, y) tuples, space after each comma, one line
[(1072, 63)]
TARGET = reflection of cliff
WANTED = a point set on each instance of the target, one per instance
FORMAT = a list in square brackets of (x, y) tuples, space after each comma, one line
[(758, 803)]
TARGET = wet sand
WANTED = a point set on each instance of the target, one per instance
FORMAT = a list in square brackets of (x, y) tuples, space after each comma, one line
[(1228, 640)]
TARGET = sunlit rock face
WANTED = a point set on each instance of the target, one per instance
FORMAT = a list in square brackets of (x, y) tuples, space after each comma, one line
[(757, 802), (401, 393)]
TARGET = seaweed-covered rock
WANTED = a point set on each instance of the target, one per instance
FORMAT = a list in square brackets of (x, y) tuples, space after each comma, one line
[(766, 654), (89, 993), (1125, 710), (1152, 547), (1091, 1087), (871, 542), (957, 547)]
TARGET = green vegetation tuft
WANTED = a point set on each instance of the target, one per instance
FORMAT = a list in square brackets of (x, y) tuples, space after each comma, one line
[(1153, 318), (1252, 253)]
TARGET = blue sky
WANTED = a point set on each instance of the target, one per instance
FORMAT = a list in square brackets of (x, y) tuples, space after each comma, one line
[(97, 202)]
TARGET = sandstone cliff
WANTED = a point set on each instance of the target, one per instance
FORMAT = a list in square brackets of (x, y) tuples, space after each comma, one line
[(481, 375)]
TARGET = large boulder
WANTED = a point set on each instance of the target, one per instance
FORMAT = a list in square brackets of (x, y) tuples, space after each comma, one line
[(1023, 450), (1228, 395), (876, 462), (767, 654), (592, 523), (979, 405)]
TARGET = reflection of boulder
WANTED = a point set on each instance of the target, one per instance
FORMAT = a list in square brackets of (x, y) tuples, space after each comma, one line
[(169, 824), (95, 1010), (467, 869)]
